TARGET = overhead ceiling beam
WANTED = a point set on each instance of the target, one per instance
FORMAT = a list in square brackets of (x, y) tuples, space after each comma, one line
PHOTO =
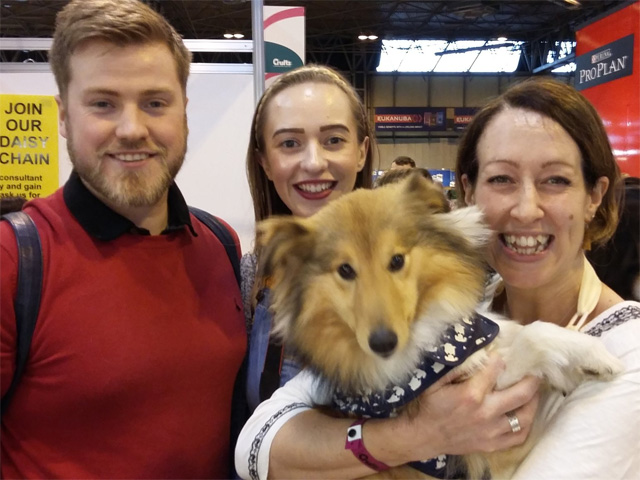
[(558, 63), (194, 45)]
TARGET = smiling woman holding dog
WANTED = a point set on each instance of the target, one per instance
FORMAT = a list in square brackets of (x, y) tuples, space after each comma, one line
[(537, 161), (310, 144)]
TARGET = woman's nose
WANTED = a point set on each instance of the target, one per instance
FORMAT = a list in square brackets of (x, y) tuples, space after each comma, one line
[(314, 158), (527, 207)]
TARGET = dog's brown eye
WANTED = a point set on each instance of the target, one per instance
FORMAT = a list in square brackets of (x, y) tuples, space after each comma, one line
[(346, 271), (396, 263)]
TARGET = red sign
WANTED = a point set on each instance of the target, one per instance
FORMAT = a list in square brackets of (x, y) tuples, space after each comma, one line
[(617, 101)]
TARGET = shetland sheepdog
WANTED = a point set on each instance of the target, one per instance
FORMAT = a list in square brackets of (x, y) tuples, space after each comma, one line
[(379, 289)]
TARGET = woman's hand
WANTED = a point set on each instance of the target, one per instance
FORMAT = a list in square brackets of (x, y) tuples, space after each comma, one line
[(467, 417)]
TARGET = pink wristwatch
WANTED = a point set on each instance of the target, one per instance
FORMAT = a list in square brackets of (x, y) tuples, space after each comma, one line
[(356, 445)]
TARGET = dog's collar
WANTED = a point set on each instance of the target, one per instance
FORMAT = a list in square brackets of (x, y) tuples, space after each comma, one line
[(458, 343)]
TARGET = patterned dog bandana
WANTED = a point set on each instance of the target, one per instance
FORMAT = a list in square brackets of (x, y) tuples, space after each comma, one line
[(458, 343)]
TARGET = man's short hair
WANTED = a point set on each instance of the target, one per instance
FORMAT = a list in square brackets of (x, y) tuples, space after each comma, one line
[(404, 161), (121, 22), (393, 176)]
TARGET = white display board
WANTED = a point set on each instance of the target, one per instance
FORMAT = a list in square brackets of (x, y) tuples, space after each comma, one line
[(219, 112)]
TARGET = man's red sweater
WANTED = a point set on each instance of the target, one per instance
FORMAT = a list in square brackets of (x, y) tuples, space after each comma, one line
[(133, 358)]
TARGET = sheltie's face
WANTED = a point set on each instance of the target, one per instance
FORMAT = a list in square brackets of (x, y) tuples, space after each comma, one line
[(376, 276)]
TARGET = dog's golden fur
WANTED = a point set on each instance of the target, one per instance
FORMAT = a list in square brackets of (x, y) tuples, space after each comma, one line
[(363, 287)]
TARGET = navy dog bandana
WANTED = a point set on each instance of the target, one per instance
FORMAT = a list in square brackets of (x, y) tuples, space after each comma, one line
[(458, 343)]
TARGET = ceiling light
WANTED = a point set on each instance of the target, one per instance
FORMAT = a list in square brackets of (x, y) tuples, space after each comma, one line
[(362, 37), (228, 35), (367, 37), (372, 37), (502, 39), (238, 35)]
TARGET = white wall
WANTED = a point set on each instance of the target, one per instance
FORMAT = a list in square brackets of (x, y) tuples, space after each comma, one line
[(219, 111), (213, 176)]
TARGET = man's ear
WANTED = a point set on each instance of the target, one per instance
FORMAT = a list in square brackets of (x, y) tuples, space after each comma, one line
[(62, 116), (468, 190)]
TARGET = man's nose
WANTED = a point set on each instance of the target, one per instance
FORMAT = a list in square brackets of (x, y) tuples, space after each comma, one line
[(131, 123)]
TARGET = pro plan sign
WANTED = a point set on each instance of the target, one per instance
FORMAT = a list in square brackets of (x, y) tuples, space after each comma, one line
[(604, 64)]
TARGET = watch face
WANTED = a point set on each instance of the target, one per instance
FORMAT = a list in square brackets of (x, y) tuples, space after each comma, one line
[(355, 443), (354, 433)]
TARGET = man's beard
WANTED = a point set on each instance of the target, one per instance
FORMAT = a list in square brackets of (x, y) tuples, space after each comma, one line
[(134, 188)]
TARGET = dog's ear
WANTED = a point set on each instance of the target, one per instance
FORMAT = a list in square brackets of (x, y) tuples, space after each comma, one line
[(469, 222), (429, 195), (281, 241)]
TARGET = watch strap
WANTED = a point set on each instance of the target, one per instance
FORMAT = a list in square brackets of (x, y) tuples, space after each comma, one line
[(355, 443)]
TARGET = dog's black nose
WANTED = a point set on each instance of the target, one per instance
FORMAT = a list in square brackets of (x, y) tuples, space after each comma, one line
[(383, 341)]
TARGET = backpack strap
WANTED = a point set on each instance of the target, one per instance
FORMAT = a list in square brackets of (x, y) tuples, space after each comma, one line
[(27, 303), (239, 407), (223, 234)]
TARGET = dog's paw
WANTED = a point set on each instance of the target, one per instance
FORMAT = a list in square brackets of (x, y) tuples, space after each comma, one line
[(564, 358), (594, 364), (600, 364)]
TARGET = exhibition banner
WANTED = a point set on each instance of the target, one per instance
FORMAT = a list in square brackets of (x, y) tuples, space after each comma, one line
[(28, 146), (422, 119), (462, 117), (609, 62), (409, 119), (284, 45), (609, 49)]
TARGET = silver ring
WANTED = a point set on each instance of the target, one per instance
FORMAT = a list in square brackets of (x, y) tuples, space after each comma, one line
[(514, 423)]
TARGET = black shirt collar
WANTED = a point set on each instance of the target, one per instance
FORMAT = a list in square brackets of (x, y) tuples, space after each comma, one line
[(103, 223)]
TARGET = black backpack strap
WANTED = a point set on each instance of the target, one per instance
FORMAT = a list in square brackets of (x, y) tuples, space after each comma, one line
[(240, 407), (27, 304), (223, 235)]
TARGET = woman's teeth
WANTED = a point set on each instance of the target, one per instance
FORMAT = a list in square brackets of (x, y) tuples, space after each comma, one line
[(526, 244), (314, 187)]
